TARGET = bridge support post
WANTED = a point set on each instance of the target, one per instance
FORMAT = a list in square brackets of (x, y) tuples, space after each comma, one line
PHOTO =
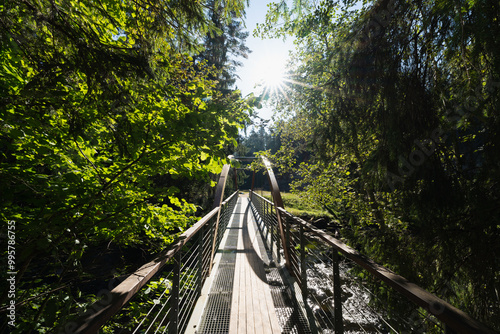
[(219, 195), (271, 231), (236, 178), (201, 271), (253, 185), (287, 233), (278, 203), (278, 241), (268, 223), (174, 319), (337, 297), (303, 268)]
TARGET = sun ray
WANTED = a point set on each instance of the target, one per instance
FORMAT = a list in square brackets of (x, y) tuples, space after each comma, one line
[(276, 82)]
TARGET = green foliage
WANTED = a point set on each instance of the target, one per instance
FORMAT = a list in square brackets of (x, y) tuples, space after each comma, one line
[(257, 141), (391, 123), (226, 44), (156, 292), (100, 102), (298, 205)]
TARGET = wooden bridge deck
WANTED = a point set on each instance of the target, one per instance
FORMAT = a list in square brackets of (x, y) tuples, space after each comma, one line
[(251, 308)]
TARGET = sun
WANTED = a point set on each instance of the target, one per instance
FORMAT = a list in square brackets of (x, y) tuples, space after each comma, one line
[(272, 76)]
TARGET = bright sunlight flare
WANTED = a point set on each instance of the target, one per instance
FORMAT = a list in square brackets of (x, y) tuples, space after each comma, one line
[(272, 75)]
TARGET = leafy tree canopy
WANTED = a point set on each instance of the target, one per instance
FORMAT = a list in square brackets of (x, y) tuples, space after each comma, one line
[(100, 103), (391, 122)]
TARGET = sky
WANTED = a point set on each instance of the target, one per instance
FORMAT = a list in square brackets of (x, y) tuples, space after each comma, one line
[(267, 59)]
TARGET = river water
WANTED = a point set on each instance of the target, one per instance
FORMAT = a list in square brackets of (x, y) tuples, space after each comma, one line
[(358, 315)]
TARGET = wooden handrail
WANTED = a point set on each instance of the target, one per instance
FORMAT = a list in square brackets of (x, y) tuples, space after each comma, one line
[(104, 309), (221, 185), (278, 204), (219, 194), (448, 314), (112, 301)]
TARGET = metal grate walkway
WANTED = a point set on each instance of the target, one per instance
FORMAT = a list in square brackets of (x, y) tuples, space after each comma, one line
[(237, 297)]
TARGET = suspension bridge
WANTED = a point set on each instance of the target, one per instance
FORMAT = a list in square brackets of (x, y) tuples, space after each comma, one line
[(249, 266)]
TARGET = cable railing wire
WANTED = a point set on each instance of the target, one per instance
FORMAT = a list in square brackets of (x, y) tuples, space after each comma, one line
[(172, 282), (150, 300), (270, 222), (318, 247)]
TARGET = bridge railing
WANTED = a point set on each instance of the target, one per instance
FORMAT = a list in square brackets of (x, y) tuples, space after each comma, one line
[(161, 295), (315, 259)]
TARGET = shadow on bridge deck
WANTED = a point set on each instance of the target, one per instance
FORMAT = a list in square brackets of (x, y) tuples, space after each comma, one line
[(244, 293)]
